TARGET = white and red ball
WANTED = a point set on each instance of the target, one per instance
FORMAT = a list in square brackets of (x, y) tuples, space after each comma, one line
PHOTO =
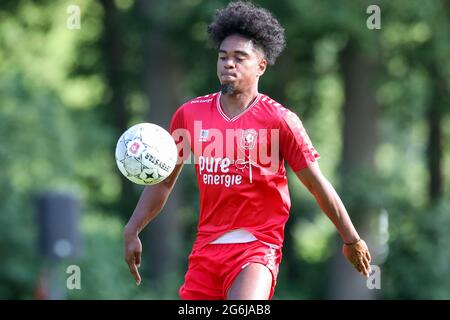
[(146, 154)]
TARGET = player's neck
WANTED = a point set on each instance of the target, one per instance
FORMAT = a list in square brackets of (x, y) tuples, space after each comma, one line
[(236, 103)]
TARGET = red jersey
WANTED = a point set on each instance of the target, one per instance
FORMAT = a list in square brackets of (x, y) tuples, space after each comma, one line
[(239, 163)]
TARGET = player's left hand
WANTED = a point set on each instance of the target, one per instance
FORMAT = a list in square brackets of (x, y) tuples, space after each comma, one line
[(359, 256)]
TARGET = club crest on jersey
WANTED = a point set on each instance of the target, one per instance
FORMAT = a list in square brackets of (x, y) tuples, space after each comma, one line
[(203, 135), (248, 139)]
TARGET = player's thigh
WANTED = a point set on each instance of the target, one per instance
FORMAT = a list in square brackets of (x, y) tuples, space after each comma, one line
[(254, 282)]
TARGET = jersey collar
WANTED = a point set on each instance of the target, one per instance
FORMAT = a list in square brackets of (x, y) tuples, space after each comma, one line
[(222, 113)]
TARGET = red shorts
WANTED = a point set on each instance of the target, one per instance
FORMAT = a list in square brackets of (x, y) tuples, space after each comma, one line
[(213, 268)]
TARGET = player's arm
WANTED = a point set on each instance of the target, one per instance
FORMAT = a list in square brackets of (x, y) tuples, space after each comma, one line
[(354, 249), (150, 203)]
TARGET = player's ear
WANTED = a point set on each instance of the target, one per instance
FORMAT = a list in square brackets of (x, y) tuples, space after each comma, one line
[(262, 65)]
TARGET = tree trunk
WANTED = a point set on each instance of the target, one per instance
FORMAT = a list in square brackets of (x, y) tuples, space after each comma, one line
[(162, 86), (359, 145), (116, 114), (434, 149)]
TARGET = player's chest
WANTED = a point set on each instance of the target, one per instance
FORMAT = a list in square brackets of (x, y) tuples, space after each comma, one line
[(242, 134)]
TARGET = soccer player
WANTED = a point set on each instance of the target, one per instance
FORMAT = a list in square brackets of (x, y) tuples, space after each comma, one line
[(240, 139)]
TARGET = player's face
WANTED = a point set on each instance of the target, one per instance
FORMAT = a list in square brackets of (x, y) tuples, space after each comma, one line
[(239, 64)]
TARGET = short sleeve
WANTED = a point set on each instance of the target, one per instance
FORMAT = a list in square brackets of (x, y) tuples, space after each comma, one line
[(295, 145), (180, 134), (177, 121)]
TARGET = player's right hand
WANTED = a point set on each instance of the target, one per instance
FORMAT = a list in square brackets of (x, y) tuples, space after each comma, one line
[(133, 250)]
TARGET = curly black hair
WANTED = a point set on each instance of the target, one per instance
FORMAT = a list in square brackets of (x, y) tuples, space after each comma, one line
[(257, 24)]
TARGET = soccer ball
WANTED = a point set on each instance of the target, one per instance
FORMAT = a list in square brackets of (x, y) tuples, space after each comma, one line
[(146, 154)]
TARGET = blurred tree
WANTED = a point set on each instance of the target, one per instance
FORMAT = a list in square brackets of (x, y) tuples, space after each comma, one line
[(161, 84), (435, 115), (113, 51), (417, 106), (56, 139), (437, 48), (360, 117)]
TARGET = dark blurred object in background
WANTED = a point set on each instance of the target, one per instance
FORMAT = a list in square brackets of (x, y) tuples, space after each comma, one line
[(58, 219)]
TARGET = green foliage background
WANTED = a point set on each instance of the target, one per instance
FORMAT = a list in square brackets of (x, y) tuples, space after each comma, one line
[(57, 133)]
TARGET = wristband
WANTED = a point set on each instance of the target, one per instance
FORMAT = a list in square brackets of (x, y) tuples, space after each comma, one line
[(351, 244)]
